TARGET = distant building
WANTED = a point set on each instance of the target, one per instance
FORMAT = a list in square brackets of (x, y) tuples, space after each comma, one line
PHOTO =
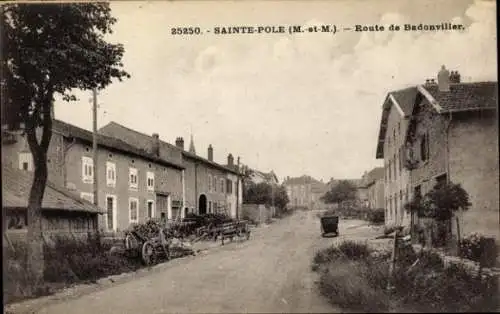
[(257, 176), (373, 184), (304, 191)]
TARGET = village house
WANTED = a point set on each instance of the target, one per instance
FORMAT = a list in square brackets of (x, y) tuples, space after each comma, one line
[(257, 176), (396, 111), (208, 187), (373, 183), (304, 191), (211, 187), (453, 137), (133, 184), (62, 211)]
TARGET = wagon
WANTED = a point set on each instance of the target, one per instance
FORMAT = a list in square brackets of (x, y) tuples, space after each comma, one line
[(149, 249), (329, 225)]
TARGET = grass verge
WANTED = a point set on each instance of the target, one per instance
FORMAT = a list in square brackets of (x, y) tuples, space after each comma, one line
[(355, 277)]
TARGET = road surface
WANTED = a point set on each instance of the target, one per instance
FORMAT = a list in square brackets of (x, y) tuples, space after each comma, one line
[(269, 273)]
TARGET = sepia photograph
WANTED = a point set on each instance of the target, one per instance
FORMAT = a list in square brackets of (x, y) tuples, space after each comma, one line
[(257, 156)]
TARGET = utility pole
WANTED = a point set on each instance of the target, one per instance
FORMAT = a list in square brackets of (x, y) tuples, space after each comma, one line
[(238, 190), (94, 144)]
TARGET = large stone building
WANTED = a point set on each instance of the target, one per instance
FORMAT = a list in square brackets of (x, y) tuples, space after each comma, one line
[(443, 130), (453, 137), (396, 114), (304, 192), (133, 184), (209, 187)]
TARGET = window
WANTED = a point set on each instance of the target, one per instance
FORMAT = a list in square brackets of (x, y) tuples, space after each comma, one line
[(133, 206), (110, 212), (400, 159), (87, 170), (209, 206), (26, 161), (87, 196), (229, 188), (424, 147), (150, 205), (395, 168), (133, 178), (215, 184), (209, 183), (111, 174), (151, 181), (222, 185)]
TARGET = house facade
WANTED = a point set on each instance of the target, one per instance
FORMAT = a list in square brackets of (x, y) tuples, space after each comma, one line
[(373, 183), (169, 187), (453, 137), (396, 111), (208, 187), (133, 185), (304, 191)]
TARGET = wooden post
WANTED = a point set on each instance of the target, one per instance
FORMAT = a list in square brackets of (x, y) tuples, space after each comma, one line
[(458, 235), (393, 260), (94, 145)]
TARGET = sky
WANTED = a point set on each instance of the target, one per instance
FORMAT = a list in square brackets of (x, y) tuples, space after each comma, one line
[(292, 103)]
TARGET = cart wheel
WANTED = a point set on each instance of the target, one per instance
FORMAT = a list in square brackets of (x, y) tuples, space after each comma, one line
[(148, 252)]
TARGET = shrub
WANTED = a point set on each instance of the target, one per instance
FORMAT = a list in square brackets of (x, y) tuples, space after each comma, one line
[(354, 250), (345, 284), (376, 216)]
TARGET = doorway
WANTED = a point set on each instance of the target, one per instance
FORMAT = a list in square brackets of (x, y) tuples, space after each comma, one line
[(202, 205)]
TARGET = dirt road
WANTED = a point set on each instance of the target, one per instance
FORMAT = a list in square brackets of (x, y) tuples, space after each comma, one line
[(269, 273)]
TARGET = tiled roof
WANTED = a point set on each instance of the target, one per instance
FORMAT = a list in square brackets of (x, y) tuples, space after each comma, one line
[(70, 130), (465, 96), (206, 161), (372, 176), (269, 176), (405, 99), (16, 186), (142, 141)]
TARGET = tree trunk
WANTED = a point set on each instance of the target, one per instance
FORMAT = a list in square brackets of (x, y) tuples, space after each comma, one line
[(35, 237), (35, 258)]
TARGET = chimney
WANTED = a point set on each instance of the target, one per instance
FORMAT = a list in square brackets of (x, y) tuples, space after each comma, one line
[(179, 142), (454, 77), (210, 153), (444, 79), (155, 145), (230, 160)]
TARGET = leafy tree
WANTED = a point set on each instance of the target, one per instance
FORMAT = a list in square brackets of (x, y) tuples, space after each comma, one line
[(265, 193), (440, 202), (341, 192), (49, 49)]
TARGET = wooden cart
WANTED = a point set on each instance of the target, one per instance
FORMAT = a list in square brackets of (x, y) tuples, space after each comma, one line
[(150, 250)]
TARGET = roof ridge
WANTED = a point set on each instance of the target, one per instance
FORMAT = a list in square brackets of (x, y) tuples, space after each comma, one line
[(139, 132)]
